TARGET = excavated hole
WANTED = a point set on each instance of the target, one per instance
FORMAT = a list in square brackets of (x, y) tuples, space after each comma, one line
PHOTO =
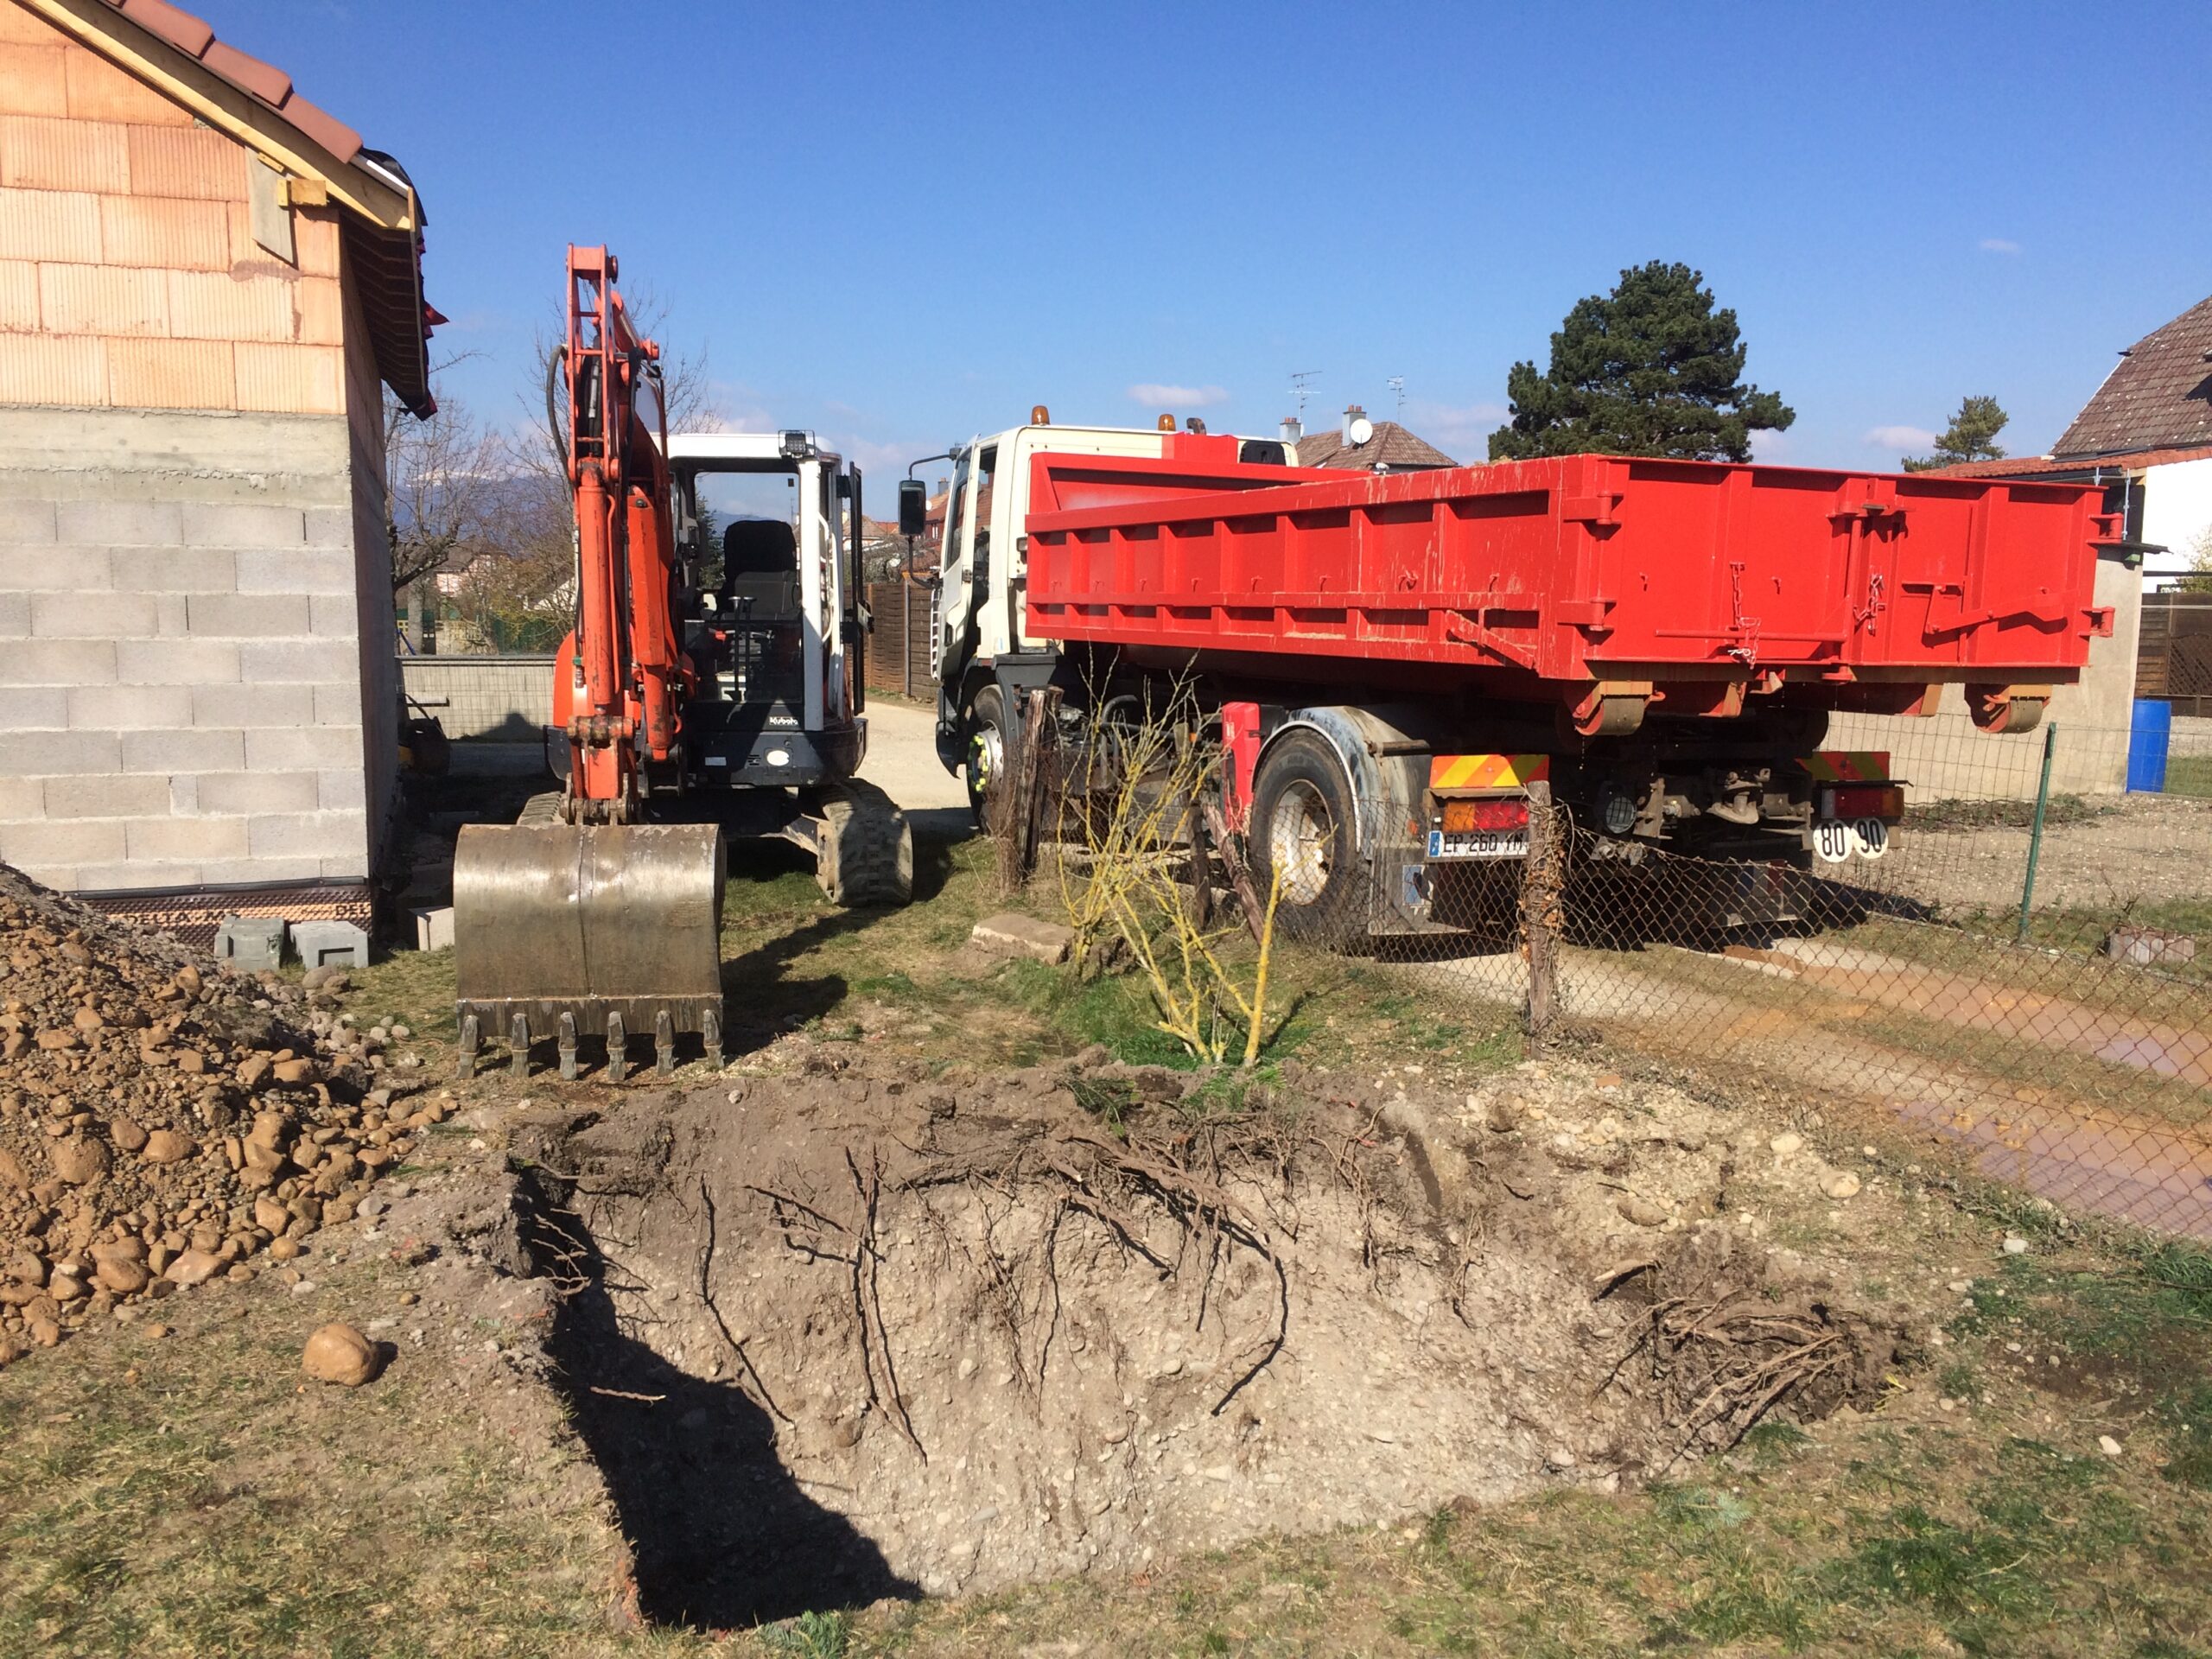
[(831, 1340)]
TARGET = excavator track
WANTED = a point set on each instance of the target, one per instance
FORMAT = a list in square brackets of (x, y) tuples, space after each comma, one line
[(864, 851)]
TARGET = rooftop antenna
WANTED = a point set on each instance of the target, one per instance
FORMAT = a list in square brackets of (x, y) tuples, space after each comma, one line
[(1301, 387), (1397, 384)]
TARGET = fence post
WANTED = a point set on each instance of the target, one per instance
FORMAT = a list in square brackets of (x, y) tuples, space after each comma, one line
[(1540, 917), (906, 637), (2035, 833)]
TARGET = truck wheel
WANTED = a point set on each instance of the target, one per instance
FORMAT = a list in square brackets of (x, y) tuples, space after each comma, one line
[(865, 852), (1303, 824), (986, 750)]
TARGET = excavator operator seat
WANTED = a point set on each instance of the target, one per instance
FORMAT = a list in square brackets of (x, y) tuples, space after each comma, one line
[(760, 565)]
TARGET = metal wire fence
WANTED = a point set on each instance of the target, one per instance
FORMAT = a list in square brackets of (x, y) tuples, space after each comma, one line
[(2024, 972)]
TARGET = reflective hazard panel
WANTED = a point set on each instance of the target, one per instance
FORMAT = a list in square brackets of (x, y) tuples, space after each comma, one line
[(1849, 765), (1487, 771)]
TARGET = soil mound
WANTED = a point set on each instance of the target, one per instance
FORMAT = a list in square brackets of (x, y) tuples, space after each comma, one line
[(162, 1122), (836, 1338)]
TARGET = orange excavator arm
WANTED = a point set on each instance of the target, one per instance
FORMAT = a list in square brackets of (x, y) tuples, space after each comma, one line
[(621, 676)]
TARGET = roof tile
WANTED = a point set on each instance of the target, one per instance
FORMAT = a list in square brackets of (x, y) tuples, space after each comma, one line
[(2159, 396), (263, 81), (1391, 446)]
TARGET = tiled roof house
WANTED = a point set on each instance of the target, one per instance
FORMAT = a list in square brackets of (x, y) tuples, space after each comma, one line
[(205, 283)]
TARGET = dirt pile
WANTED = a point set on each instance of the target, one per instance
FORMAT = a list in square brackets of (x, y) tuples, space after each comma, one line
[(161, 1121), (836, 1338)]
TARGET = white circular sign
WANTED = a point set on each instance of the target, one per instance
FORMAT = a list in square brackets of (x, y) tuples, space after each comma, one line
[(1831, 840), (1871, 837)]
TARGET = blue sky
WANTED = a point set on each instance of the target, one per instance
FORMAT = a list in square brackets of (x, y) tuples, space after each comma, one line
[(901, 226)]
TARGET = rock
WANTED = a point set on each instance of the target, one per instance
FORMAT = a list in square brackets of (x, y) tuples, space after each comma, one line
[(1560, 1457), (293, 1073), (2015, 1245), (166, 1146), (1843, 1184), (1785, 1143), (45, 1332), (339, 1353), (1634, 1207), (270, 1215), (253, 1071), (2108, 1445), (88, 1019), (283, 1250), (1009, 935), (79, 1160), (127, 1134), (122, 1275), (1503, 1114), (13, 1176), (194, 1267), (188, 980)]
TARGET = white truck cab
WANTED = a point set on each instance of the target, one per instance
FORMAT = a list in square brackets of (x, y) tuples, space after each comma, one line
[(981, 592)]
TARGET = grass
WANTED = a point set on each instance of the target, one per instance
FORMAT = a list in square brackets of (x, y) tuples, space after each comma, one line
[(2189, 774)]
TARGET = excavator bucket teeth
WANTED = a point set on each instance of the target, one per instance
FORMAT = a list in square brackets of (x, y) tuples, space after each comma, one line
[(571, 927)]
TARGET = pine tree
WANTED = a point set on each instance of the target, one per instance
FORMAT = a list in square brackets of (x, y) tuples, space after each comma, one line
[(1650, 369), (1972, 437)]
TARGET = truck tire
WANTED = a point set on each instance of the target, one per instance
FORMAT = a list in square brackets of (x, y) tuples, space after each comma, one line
[(865, 852), (1305, 822), (986, 750)]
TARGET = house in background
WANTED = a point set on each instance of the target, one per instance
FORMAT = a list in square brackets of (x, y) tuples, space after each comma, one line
[(2146, 436), (205, 283), (1382, 447)]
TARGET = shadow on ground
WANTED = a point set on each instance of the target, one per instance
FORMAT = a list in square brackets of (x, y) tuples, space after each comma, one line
[(722, 1535)]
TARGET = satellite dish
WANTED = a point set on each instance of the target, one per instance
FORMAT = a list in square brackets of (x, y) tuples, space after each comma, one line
[(1362, 429)]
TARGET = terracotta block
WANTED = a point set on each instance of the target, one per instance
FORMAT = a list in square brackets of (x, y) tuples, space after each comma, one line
[(319, 304), (100, 91), (171, 374), (216, 305), (291, 379), (50, 224), (315, 232), (51, 369), (160, 231), (188, 161), (32, 81), (20, 27), (102, 300), (18, 295), (43, 152)]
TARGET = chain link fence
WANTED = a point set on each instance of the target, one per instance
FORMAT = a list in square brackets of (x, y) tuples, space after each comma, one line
[(2021, 971)]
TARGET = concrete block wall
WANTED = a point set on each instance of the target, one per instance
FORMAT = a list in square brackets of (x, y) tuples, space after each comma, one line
[(181, 698)]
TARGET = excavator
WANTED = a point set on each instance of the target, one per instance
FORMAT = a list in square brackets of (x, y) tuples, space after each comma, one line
[(711, 681)]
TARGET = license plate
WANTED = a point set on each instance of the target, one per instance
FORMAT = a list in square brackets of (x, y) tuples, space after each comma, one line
[(1478, 843)]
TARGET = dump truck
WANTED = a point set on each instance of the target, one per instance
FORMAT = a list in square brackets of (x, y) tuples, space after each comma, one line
[(1388, 665)]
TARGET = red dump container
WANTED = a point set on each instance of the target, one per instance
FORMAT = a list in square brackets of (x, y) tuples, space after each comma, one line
[(1547, 577)]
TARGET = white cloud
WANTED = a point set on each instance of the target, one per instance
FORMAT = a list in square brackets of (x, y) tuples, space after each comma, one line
[(1461, 431), (1768, 445), (1999, 244), (1183, 396), (1901, 437)]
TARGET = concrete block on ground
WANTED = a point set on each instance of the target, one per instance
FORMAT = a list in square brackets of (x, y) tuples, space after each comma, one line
[(433, 928), (1009, 935), (250, 943), (2146, 947), (331, 944)]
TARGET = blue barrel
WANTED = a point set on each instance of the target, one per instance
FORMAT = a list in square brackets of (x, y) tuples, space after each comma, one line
[(2147, 735)]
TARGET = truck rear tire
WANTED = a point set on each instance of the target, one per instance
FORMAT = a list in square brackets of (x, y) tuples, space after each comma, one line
[(986, 750), (1305, 824), (864, 854)]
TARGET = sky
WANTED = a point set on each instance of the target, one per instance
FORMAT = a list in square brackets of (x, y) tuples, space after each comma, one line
[(901, 226)]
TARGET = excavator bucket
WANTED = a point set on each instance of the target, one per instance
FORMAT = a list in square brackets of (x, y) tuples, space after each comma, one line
[(563, 929)]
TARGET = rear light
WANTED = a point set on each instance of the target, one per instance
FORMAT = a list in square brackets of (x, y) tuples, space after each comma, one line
[(1866, 801), (1462, 816)]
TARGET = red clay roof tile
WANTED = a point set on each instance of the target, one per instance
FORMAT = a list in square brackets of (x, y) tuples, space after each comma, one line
[(263, 81)]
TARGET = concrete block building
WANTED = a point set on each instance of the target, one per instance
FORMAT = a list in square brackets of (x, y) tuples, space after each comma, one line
[(205, 283)]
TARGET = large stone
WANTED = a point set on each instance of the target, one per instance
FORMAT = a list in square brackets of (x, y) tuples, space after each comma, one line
[(194, 1267), (127, 1134), (166, 1146), (13, 1176), (1009, 935), (79, 1160), (122, 1275), (339, 1353)]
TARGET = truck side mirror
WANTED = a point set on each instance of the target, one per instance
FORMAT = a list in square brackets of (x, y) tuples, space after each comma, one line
[(913, 506)]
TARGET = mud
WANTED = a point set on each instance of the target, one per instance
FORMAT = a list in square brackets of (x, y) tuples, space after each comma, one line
[(833, 1339)]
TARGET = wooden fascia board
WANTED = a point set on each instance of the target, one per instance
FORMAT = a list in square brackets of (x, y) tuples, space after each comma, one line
[(195, 87)]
